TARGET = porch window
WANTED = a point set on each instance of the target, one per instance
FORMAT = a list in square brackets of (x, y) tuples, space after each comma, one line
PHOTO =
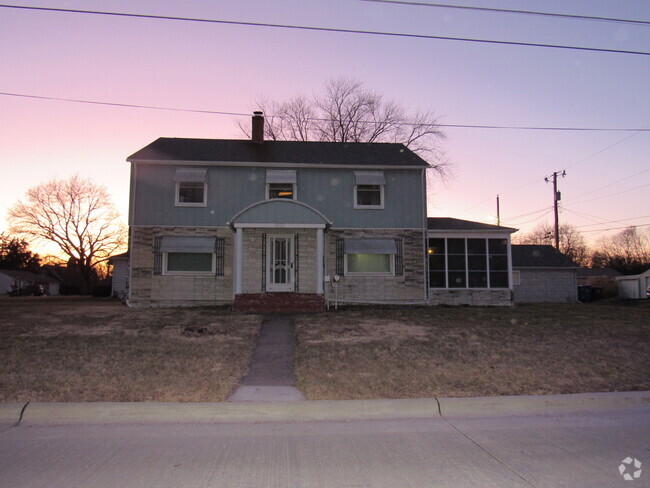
[(369, 189), (191, 187), (468, 263)]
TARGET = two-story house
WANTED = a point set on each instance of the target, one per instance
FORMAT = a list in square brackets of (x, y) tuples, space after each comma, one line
[(285, 224)]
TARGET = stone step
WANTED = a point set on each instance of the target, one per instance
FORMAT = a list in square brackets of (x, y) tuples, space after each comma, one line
[(279, 302)]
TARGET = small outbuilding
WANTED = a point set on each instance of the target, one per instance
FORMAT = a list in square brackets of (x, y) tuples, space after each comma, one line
[(634, 286), (541, 273)]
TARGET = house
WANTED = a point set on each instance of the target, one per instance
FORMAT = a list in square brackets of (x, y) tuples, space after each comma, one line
[(634, 286), (276, 225), (120, 276), (469, 263), (14, 280), (541, 273)]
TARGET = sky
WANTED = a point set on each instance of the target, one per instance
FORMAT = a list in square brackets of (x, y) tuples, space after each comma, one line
[(226, 68)]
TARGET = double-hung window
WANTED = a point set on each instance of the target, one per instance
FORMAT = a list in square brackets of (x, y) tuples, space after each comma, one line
[(369, 189), (370, 256), (459, 262), (281, 184), (191, 187)]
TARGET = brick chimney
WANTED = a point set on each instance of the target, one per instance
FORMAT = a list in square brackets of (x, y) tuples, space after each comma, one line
[(258, 127)]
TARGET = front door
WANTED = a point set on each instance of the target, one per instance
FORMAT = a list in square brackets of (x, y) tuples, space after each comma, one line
[(279, 263)]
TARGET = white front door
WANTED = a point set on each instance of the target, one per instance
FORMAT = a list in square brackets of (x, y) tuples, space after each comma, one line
[(279, 263)]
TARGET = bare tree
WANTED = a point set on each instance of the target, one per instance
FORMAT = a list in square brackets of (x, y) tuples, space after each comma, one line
[(572, 242), (348, 112), (76, 215), (628, 251)]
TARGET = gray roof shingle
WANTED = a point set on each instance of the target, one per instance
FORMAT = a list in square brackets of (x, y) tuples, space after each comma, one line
[(167, 149), (448, 223), (539, 256)]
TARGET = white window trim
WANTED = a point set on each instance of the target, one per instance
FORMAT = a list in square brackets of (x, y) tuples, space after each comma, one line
[(378, 273), (370, 207), (516, 278), (212, 271), (191, 204), (295, 191)]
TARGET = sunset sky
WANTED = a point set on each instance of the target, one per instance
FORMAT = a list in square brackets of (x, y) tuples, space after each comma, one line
[(217, 67)]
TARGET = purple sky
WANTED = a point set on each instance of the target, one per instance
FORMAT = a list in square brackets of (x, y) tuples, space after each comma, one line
[(226, 68)]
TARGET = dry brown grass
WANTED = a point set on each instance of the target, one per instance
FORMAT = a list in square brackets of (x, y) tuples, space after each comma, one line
[(82, 349), (453, 352)]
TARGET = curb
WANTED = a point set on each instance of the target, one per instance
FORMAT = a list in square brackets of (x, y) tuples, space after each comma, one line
[(319, 410), (515, 406)]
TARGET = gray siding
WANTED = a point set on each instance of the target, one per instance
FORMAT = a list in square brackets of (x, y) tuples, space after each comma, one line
[(231, 189), (546, 285)]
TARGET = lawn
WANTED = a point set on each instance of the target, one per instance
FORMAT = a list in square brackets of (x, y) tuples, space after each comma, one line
[(83, 349), (375, 352)]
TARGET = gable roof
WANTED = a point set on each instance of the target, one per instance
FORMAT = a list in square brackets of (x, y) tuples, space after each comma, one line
[(358, 154), (539, 256), (598, 272), (448, 223)]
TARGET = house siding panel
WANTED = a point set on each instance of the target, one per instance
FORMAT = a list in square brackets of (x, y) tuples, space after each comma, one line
[(231, 189)]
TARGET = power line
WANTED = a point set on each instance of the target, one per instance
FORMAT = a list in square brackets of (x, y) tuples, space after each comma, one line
[(608, 185), (508, 11), (324, 29), (615, 228), (605, 221), (535, 219), (611, 194), (313, 119)]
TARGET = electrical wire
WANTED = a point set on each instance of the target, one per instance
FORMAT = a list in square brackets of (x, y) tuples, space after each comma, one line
[(508, 11), (313, 119), (615, 228), (324, 29), (532, 220), (607, 185), (612, 194)]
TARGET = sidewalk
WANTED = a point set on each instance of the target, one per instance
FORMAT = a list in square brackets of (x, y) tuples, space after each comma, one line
[(321, 410)]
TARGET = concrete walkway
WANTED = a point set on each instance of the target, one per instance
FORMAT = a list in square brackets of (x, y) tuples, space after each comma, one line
[(271, 376)]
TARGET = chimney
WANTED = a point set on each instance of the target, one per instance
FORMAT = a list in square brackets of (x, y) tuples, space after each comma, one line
[(258, 127)]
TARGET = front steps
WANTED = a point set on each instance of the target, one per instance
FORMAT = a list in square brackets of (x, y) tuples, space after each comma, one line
[(279, 302)]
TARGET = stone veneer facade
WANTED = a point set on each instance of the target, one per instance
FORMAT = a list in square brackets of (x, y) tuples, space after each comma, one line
[(407, 288), (474, 297), (149, 289)]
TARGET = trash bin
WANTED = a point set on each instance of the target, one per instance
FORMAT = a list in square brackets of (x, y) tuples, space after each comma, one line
[(584, 293)]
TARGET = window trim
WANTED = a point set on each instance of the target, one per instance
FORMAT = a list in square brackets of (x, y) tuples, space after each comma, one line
[(346, 272), (369, 207), (167, 272), (204, 203), (295, 191), (516, 277)]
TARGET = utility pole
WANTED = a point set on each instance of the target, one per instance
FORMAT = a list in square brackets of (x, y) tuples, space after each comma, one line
[(498, 213), (557, 196)]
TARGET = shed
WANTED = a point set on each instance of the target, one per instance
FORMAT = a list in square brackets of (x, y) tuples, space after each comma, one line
[(634, 286), (120, 280), (541, 273)]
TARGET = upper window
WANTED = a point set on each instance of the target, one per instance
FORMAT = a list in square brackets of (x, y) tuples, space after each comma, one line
[(191, 187), (281, 190), (369, 189), (468, 263), (281, 183)]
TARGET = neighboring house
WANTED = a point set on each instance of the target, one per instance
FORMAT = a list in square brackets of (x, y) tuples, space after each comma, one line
[(13, 280), (541, 273), (469, 263), (120, 277), (276, 224), (634, 286)]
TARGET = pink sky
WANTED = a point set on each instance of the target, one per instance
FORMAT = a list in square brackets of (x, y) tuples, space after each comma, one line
[(226, 68)]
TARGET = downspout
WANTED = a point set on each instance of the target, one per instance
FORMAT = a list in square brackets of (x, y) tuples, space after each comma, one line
[(425, 268)]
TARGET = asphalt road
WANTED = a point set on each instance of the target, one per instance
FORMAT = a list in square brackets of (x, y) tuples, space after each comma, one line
[(562, 449)]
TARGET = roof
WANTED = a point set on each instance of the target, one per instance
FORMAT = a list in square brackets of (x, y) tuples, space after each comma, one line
[(448, 223), (27, 276), (539, 256), (598, 272), (356, 154)]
